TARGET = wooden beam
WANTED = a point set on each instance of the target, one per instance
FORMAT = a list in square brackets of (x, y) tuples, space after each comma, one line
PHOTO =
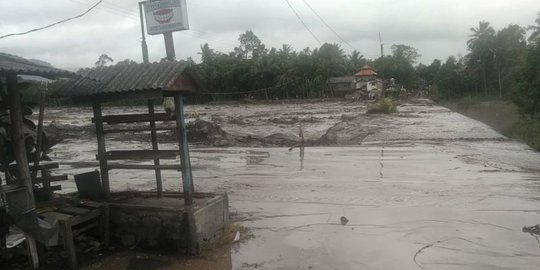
[(138, 155), (96, 106), (153, 133), (19, 149), (50, 178), (135, 118), (143, 167), (120, 130)]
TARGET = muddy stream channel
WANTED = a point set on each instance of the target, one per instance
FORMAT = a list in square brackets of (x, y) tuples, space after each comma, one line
[(426, 188)]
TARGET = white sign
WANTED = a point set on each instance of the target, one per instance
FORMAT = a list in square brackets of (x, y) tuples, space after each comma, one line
[(165, 16)]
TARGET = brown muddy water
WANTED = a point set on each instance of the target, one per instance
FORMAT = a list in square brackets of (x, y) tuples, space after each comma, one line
[(425, 188)]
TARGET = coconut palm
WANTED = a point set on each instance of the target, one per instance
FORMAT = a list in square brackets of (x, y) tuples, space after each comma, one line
[(481, 46), (535, 29)]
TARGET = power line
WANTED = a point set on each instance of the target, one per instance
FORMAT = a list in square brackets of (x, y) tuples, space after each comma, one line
[(328, 26), (302, 21), (53, 24)]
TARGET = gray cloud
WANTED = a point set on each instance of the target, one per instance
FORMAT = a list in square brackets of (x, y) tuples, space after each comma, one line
[(437, 28)]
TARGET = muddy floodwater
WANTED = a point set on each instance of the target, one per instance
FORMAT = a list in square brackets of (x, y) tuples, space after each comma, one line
[(426, 188)]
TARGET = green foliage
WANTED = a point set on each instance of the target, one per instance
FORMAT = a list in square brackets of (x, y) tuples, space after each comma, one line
[(529, 131), (384, 106), (103, 60), (527, 97), (284, 72), (535, 35)]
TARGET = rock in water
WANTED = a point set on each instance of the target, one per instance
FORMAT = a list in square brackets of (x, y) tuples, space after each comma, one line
[(344, 220)]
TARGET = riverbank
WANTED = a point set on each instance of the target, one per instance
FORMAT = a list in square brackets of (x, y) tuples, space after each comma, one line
[(502, 115)]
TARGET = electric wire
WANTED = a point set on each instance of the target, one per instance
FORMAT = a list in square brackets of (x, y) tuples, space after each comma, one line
[(52, 24), (327, 25), (302, 21)]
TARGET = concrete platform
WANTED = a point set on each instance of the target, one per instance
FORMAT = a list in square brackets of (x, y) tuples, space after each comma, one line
[(141, 219)]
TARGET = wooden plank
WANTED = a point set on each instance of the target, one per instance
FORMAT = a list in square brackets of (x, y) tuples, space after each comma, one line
[(40, 167), (138, 155), (142, 129), (86, 217), (135, 118), (51, 178), (31, 248), (105, 224), (143, 167), (85, 228), (69, 245), (71, 210)]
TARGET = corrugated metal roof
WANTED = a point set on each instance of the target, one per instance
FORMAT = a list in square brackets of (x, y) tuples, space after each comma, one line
[(366, 71), (19, 65), (345, 79), (131, 77)]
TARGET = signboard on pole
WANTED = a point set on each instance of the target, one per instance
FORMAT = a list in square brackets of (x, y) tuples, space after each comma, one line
[(165, 16)]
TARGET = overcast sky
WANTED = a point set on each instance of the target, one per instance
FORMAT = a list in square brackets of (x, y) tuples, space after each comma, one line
[(437, 28)]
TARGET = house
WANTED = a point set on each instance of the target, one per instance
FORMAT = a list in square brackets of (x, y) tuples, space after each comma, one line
[(364, 84), (340, 85)]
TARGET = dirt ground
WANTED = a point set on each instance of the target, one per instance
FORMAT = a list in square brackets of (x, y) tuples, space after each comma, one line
[(425, 188)]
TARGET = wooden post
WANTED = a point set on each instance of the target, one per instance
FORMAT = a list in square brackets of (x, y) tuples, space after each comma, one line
[(187, 180), (17, 136), (19, 149), (69, 245), (159, 182), (96, 106)]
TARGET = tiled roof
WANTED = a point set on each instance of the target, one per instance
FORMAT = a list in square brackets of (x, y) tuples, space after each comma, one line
[(365, 71)]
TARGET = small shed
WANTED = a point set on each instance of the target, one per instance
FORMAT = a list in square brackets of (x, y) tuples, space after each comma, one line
[(163, 218), (342, 84), (147, 81)]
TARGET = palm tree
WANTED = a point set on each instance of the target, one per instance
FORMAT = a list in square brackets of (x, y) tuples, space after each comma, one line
[(535, 28), (481, 47), (356, 60)]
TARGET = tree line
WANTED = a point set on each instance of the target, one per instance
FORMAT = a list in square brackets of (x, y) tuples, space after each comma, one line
[(498, 64)]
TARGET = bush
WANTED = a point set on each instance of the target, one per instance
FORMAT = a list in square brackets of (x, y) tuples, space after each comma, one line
[(528, 131), (385, 105)]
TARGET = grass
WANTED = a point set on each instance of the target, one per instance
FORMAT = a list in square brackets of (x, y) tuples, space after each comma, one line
[(382, 106), (528, 130), (501, 115)]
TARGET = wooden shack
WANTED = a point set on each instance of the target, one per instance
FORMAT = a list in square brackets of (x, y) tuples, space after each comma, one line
[(163, 217)]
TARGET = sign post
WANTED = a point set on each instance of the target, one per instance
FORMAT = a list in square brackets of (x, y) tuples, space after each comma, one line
[(165, 17)]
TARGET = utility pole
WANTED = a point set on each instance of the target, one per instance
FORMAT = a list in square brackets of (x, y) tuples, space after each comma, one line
[(382, 62)]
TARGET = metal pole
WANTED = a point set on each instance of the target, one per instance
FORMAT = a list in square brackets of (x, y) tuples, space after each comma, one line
[(169, 45), (155, 147), (143, 42), (382, 61), (187, 180)]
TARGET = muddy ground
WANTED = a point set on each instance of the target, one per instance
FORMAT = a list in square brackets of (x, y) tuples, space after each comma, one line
[(425, 188)]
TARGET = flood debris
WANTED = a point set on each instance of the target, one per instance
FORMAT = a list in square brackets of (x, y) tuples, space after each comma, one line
[(533, 230), (343, 220)]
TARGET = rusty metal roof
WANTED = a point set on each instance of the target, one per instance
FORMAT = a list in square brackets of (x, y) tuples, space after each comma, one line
[(123, 78), (365, 71), (19, 65)]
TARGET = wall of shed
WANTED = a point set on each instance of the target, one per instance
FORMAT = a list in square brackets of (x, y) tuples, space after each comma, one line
[(165, 227)]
